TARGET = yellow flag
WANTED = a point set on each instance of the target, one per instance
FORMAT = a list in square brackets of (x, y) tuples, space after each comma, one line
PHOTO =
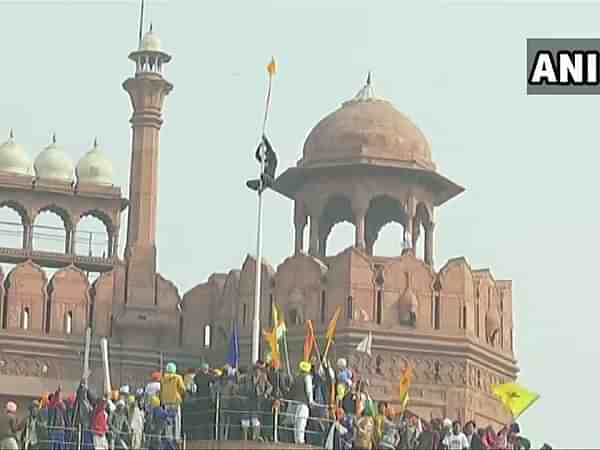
[(278, 322), (272, 67), (516, 398), (405, 382), (404, 402), (330, 333), (271, 338)]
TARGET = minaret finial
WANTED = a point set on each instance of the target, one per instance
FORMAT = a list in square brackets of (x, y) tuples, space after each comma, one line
[(96, 142), (11, 134), (150, 27), (369, 79), (54, 137)]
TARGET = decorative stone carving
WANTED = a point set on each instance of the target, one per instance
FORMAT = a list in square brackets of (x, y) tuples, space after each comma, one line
[(295, 309), (25, 367)]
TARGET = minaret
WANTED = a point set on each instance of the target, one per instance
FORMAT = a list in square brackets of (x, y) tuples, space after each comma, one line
[(147, 90)]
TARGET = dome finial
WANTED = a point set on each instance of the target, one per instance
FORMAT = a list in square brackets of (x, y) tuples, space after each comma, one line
[(150, 27), (96, 142), (54, 137), (366, 92), (11, 135)]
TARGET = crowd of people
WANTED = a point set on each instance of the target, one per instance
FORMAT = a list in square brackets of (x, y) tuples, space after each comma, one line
[(319, 405)]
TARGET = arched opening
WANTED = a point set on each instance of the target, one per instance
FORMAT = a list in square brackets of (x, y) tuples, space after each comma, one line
[(207, 336), (349, 308), (337, 214), (50, 233), (385, 223), (69, 322), (92, 238), (379, 306), (12, 229), (339, 238), (25, 318), (389, 240)]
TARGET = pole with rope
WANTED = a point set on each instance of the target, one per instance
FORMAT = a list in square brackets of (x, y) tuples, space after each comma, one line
[(271, 68)]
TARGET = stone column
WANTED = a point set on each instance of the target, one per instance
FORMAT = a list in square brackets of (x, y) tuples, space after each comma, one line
[(360, 212), (300, 220), (429, 227), (27, 236), (69, 240), (313, 249)]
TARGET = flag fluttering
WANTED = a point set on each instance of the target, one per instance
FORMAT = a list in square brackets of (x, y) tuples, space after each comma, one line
[(514, 397), (272, 67), (330, 333), (309, 341), (233, 354), (273, 342), (405, 382), (280, 334), (364, 346)]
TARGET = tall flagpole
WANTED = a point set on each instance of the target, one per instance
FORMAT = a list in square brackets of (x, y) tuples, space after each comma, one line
[(257, 290)]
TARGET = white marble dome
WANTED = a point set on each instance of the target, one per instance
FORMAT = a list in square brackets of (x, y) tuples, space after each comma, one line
[(95, 168), (150, 42), (53, 163), (14, 159)]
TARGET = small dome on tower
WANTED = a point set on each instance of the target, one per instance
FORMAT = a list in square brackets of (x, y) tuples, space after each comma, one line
[(150, 42), (53, 163), (95, 167), (13, 158)]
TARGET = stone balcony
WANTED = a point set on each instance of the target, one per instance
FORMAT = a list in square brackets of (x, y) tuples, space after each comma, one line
[(57, 260)]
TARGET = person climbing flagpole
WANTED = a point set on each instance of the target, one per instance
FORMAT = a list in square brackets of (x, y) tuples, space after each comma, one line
[(268, 164)]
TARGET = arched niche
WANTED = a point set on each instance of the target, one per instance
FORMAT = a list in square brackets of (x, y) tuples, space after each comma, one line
[(25, 291), (69, 291)]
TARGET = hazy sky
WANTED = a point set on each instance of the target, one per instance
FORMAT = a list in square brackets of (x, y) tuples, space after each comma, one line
[(530, 164)]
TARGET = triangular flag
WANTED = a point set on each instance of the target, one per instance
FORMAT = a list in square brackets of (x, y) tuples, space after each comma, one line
[(272, 67), (309, 341), (364, 346), (516, 398)]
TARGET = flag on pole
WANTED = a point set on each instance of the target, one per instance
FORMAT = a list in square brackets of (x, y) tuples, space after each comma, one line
[(514, 397), (271, 338), (405, 382), (278, 321), (272, 67), (364, 346), (233, 355), (330, 333), (309, 341)]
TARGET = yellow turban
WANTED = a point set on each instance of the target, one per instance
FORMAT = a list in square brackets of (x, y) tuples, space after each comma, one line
[(305, 366)]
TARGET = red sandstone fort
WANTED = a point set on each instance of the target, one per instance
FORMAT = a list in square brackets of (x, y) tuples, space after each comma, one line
[(365, 163)]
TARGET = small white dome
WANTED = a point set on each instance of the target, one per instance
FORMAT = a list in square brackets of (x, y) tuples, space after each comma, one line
[(150, 42), (53, 163), (95, 167), (13, 158)]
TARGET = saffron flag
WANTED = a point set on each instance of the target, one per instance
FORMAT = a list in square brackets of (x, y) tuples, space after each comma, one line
[(515, 398), (272, 67), (278, 321), (330, 333), (233, 354), (364, 346), (309, 341), (405, 382), (271, 338)]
